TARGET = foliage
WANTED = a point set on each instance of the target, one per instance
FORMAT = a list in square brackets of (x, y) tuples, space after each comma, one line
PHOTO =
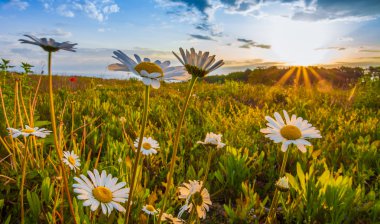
[(336, 181)]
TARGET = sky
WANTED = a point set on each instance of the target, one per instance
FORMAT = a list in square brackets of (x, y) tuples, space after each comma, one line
[(244, 33)]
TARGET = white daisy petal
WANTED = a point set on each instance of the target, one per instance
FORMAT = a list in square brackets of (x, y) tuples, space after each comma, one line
[(100, 189), (294, 130)]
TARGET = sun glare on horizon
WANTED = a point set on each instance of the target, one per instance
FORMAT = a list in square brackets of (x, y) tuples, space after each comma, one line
[(300, 43)]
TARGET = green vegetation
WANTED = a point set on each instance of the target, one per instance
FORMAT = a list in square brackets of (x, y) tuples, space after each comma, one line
[(335, 181)]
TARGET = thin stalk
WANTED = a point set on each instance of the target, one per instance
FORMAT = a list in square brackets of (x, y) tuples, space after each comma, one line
[(175, 146), (210, 153), (57, 146), (14, 164), (23, 182), (18, 105), (23, 104), (134, 169), (277, 193), (72, 123)]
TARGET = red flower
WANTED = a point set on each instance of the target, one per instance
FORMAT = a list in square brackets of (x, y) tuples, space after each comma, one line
[(73, 79)]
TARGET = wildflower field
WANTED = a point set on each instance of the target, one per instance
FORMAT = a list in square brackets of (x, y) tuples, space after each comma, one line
[(87, 150)]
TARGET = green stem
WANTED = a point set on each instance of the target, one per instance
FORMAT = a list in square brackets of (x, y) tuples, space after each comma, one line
[(277, 193), (57, 146), (23, 182), (175, 146), (138, 153), (210, 152)]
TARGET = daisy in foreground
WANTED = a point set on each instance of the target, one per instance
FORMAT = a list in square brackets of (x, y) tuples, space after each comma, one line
[(198, 64), (150, 72), (170, 219), (71, 159), (196, 196), (291, 131), (149, 209), (101, 190), (214, 140), (39, 132), (149, 146)]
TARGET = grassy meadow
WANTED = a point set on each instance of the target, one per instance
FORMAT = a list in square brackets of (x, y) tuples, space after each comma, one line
[(336, 181)]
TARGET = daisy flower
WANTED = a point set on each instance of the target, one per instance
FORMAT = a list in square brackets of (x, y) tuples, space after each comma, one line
[(214, 140), (149, 146), (291, 131), (196, 196), (49, 45), (39, 132), (198, 64), (150, 72), (282, 184), (170, 219), (149, 209), (101, 190), (71, 159)]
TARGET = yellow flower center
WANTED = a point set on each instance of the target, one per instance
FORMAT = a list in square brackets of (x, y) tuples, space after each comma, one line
[(102, 194), (150, 208), (291, 132), (195, 71), (149, 67), (29, 130), (147, 145), (71, 160), (197, 199)]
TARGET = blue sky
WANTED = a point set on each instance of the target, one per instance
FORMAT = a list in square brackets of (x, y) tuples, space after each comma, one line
[(245, 33)]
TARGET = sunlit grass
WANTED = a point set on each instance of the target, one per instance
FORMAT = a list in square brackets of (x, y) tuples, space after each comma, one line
[(335, 181)]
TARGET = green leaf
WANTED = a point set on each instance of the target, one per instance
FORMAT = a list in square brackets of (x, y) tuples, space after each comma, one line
[(34, 203), (301, 177), (41, 123)]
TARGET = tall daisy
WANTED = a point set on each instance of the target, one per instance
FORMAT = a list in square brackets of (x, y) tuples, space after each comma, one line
[(149, 146), (294, 130), (71, 159), (38, 132), (50, 46), (196, 196), (101, 189), (150, 72), (198, 64)]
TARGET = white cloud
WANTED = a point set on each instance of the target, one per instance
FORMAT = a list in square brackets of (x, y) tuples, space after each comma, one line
[(94, 9), (111, 9), (346, 39), (17, 4), (64, 11), (52, 33)]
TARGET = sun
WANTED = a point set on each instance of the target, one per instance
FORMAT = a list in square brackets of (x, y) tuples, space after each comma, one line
[(299, 43)]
